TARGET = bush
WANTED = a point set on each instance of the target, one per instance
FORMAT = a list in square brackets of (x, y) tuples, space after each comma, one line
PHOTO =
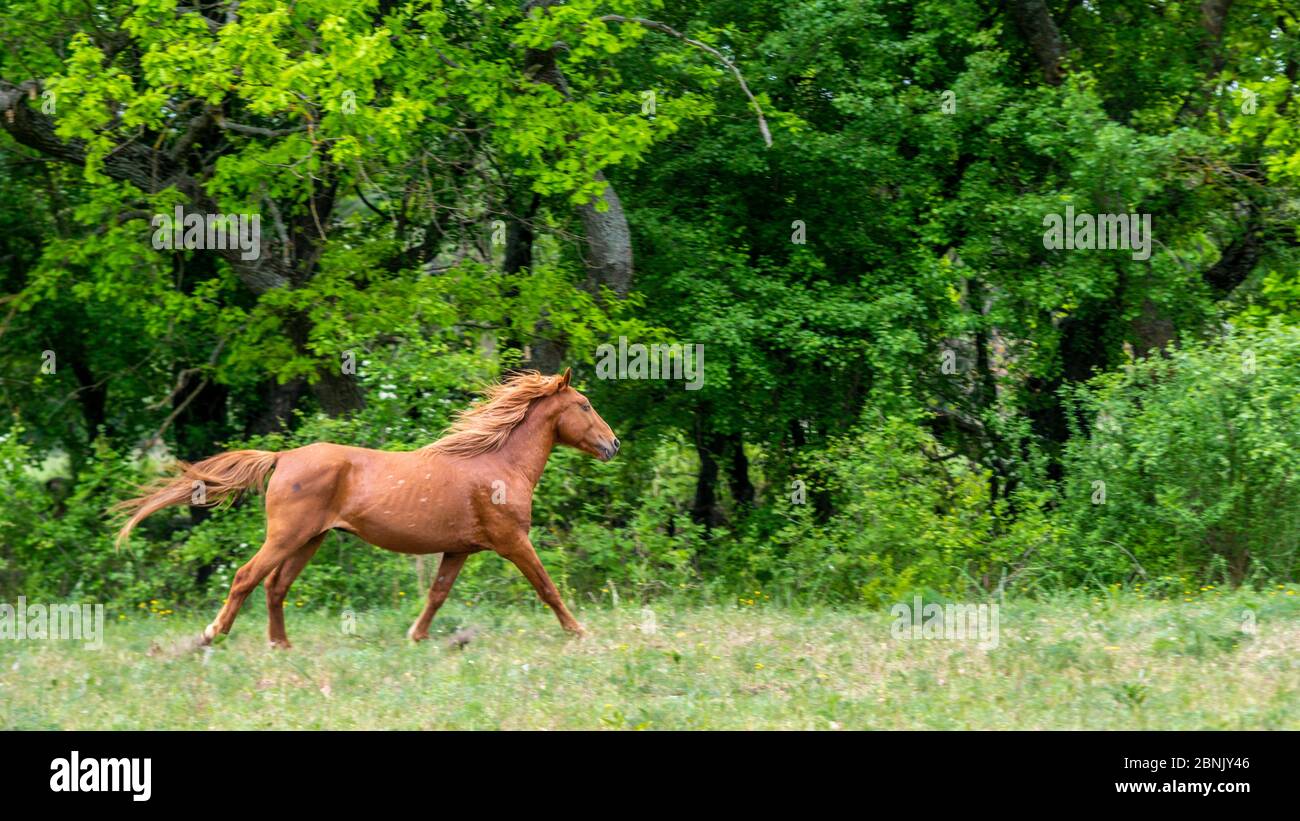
[(901, 519), (1189, 468)]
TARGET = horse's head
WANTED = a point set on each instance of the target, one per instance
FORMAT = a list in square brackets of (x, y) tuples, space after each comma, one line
[(579, 426)]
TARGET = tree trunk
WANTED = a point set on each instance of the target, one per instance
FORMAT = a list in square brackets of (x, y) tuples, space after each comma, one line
[(1035, 22), (705, 509), (609, 243), (278, 401), (742, 489)]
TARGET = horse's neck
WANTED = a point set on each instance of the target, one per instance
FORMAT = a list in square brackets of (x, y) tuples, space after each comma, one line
[(530, 444)]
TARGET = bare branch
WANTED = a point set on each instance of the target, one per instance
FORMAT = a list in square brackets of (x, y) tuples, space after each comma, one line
[(258, 131), (740, 78)]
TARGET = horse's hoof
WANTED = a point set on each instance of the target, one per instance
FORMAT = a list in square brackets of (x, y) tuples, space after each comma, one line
[(415, 636), (578, 631), (280, 644), (209, 633)]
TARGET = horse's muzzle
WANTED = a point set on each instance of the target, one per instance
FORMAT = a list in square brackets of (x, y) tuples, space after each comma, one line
[(608, 451)]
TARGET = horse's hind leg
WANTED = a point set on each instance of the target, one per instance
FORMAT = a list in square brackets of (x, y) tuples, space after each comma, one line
[(277, 589), (275, 550), (447, 569)]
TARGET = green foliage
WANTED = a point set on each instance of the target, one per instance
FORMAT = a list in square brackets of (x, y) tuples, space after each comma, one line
[(903, 517), (901, 521), (423, 180), (1198, 459)]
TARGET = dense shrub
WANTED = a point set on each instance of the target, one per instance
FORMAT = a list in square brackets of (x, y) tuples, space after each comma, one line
[(1198, 457)]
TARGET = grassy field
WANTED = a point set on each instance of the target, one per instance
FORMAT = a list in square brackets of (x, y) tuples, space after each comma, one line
[(1207, 660)]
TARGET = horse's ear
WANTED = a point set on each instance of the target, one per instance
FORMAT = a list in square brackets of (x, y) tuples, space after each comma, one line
[(564, 379)]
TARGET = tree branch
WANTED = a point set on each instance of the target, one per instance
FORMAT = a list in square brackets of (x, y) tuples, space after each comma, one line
[(258, 131), (134, 163), (655, 25)]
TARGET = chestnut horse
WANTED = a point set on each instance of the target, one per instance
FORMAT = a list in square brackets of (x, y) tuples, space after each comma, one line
[(472, 490)]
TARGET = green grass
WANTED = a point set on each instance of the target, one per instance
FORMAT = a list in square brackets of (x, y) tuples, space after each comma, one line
[(1104, 662)]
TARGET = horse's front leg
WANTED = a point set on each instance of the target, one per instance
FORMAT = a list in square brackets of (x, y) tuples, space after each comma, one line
[(520, 552), (447, 569)]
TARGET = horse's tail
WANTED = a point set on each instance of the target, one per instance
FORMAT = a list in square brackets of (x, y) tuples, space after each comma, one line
[(206, 483)]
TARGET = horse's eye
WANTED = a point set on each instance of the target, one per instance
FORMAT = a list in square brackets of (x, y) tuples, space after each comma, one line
[(586, 407)]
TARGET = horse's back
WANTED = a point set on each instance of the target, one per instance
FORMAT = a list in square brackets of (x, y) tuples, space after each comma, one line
[(408, 501), (327, 467)]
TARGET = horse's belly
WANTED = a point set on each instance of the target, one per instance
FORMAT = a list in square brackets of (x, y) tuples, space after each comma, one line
[(403, 503), (407, 539)]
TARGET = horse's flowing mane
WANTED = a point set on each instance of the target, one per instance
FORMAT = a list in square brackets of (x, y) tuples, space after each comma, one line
[(485, 427)]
